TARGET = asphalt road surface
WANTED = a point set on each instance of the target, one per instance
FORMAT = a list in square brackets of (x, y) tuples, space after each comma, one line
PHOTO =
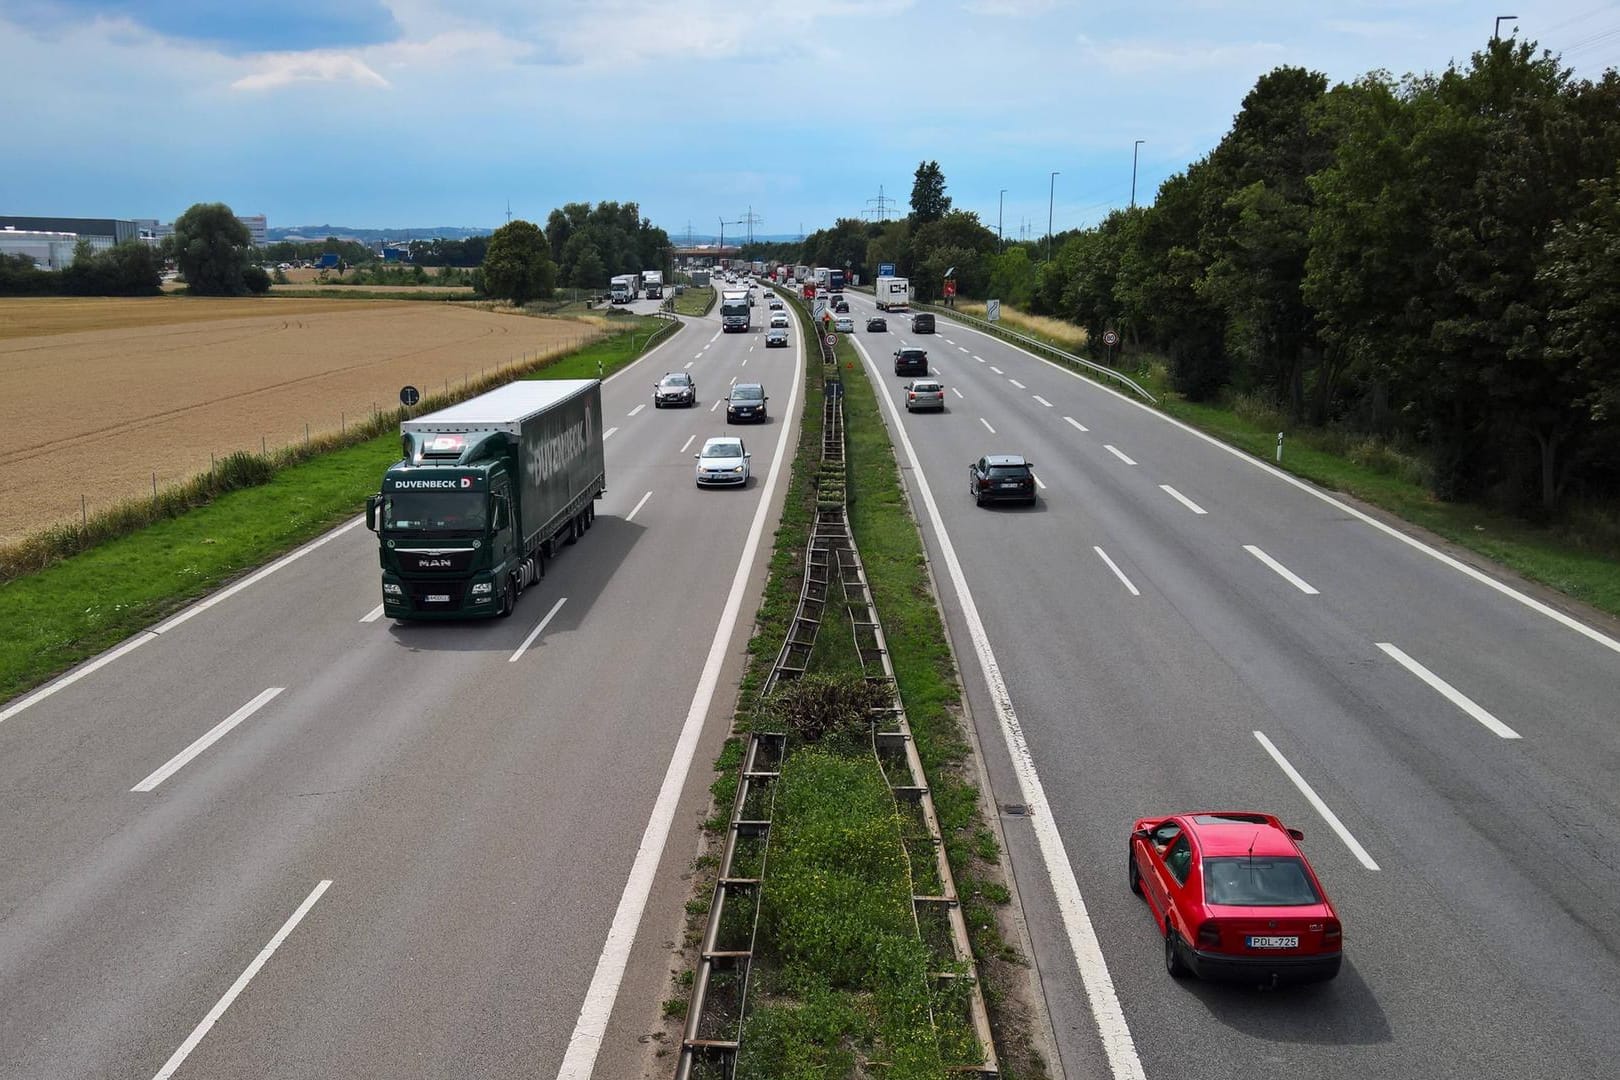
[(1172, 623), (404, 851)]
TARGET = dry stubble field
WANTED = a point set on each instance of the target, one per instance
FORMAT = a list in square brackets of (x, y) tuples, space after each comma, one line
[(102, 393)]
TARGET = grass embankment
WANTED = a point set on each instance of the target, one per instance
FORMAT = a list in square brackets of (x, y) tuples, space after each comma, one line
[(75, 608), (1578, 554), (840, 979), (1056, 332), (695, 300)]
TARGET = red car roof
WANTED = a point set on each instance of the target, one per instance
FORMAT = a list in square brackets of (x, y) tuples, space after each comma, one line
[(1229, 832)]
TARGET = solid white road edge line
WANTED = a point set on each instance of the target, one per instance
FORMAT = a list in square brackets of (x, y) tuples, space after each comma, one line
[(1117, 452), (203, 742), (240, 984), (1451, 693), (632, 514), (1077, 425), (1282, 571), (74, 676), (586, 1040), (987, 426), (1182, 499), (1567, 621), (1103, 555), (541, 625), (1316, 800), (373, 615), (1112, 1028)]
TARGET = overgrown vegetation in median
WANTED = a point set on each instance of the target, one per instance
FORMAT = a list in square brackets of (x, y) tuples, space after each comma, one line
[(695, 300), (840, 983), (75, 591)]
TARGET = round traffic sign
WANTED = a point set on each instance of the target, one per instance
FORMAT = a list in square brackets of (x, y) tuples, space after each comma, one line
[(1110, 338), (409, 395), (832, 339)]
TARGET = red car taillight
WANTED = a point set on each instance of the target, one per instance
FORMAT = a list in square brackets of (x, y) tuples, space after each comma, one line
[(911, 395), (1209, 935), (1333, 935)]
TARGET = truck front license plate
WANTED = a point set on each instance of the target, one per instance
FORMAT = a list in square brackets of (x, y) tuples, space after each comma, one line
[(438, 598)]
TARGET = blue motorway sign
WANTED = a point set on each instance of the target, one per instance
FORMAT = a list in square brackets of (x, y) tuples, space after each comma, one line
[(885, 269)]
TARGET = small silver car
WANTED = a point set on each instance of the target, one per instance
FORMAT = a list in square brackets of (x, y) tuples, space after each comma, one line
[(844, 324), (925, 394)]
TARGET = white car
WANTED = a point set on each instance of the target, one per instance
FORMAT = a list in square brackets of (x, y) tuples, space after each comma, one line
[(723, 461), (844, 324), (779, 318)]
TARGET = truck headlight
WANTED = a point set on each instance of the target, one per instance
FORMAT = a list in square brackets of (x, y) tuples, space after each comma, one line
[(390, 589), (483, 587)]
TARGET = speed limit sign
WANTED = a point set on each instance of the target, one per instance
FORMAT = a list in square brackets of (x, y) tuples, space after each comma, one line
[(1110, 338), (832, 339)]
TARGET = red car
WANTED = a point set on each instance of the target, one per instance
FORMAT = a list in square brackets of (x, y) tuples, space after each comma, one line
[(1235, 898)]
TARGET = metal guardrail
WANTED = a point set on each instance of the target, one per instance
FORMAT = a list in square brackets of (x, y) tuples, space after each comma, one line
[(1036, 343)]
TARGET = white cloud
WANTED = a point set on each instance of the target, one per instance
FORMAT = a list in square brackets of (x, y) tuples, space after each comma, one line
[(1016, 8), (1127, 57), (285, 69)]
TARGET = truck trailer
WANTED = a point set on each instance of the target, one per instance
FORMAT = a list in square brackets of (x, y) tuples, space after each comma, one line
[(487, 492), (736, 313), (893, 293), (622, 288), (652, 284)]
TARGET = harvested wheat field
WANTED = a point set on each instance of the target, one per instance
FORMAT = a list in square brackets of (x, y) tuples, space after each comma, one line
[(103, 393)]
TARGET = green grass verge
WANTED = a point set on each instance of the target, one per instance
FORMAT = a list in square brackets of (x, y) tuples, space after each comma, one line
[(1578, 555), (75, 608), (696, 301)]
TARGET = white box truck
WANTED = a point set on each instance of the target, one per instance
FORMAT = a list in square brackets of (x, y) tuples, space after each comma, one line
[(893, 293), (622, 288)]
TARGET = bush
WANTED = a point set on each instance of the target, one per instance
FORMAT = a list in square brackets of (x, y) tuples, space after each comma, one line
[(257, 280), (814, 708)]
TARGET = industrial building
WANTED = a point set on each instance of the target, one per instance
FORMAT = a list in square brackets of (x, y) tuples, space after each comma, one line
[(49, 250)]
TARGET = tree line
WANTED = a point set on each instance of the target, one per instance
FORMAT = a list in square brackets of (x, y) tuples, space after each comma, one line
[(582, 246)]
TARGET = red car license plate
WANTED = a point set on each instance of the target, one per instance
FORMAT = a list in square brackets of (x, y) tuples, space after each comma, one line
[(1273, 942)]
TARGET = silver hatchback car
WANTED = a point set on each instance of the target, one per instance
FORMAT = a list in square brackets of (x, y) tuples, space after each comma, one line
[(925, 394)]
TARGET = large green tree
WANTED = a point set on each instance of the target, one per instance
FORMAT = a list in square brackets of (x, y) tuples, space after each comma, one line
[(517, 265), (928, 199), (212, 250)]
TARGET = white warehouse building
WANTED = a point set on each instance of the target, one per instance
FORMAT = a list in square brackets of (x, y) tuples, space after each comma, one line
[(49, 250)]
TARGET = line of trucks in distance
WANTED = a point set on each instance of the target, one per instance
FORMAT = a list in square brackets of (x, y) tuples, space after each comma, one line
[(891, 293), (626, 288)]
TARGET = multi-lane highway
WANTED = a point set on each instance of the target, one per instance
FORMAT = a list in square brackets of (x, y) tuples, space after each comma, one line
[(1176, 627), (281, 836)]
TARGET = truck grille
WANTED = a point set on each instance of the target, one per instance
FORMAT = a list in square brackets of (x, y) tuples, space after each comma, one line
[(425, 595)]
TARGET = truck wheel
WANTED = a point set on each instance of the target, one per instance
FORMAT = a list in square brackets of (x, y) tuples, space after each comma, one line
[(573, 532), (509, 601)]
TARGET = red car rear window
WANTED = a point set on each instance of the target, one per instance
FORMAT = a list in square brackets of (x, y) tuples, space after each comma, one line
[(1268, 881)]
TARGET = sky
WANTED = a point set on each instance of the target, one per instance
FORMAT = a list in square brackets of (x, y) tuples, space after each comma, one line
[(414, 113)]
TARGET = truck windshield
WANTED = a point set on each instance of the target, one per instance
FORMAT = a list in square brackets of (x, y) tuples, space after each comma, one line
[(434, 511)]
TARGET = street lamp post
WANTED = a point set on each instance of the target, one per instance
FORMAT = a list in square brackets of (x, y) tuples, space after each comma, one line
[(1134, 149), (1001, 201), (1500, 19), (1051, 191)]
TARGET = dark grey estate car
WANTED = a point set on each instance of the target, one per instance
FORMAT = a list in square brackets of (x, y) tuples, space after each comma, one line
[(747, 402), (911, 361), (675, 388), (776, 337), (1002, 478)]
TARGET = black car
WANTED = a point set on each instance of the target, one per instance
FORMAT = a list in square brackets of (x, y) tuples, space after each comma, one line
[(1002, 478), (876, 323), (747, 402), (840, 305), (675, 388), (911, 361), (922, 323)]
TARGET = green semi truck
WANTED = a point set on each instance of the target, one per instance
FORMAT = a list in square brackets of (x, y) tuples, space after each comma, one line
[(486, 493)]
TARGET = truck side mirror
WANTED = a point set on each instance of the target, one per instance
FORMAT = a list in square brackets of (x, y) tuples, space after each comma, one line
[(499, 517), (373, 504)]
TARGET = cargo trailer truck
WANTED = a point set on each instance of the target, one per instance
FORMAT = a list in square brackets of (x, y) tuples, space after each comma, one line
[(893, 293), (835, 281), (622, 288), (735, 311), (487, 492), (652, 284)]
